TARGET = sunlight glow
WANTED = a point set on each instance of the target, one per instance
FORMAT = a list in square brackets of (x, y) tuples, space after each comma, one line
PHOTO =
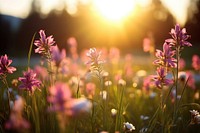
[(179, 9), (114, 10), (17, 8), (46, 6)]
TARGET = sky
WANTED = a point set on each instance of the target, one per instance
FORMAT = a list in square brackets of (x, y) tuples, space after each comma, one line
[(182, 10)]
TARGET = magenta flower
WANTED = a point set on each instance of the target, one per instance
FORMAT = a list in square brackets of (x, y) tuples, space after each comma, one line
[(60, 95), (29, 81), (160, 79), (165, 58), (179, 37), (5, 65), (44, 44), (196, 62), (58, 56)]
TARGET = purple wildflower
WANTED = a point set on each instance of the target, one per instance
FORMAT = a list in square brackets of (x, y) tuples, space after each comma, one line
[(29, 81), (16, 122), (44, 44), (95, 59), (165, 58), (160, 79), (60, 94), (179, 37), (58, 56), (5, 65)]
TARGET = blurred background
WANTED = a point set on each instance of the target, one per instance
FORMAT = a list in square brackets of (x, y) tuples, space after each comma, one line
[(96, 23)]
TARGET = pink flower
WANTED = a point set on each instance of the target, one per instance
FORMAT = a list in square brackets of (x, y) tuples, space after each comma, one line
[(191, 80), (60, 95), (16, 122), (188, 75), (147, 83), (196, 62), (146, 44), (114, 55), (181, 64), (29, 81), (72, 42), (90, 88), (160, 79), (58, 56), (41, 72), (165, 58), (5, 65), (95, 59), (44, 44), (179, 37)]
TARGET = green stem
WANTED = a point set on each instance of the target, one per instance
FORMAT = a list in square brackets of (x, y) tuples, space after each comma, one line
[(182, 93), (176, 89), (8, 93), (36, 114), (118, 120), (92, 121), (162, 108)]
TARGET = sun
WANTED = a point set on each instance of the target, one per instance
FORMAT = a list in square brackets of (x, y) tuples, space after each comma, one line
[(114, 10)]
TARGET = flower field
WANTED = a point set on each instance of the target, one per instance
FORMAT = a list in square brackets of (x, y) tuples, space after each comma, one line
[(100, 91)]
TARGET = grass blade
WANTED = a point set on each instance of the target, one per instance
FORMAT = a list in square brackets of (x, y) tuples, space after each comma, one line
[(30, 50)]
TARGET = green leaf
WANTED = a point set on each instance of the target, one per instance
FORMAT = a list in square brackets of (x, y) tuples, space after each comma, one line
[(30, 49)]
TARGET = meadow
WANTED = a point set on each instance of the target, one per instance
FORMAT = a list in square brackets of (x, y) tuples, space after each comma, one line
[(100, 91)]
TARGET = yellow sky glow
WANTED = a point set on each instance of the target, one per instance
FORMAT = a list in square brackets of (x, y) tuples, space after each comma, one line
[(114, 10)]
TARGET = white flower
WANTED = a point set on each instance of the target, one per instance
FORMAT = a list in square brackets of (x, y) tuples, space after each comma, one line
[(182, 76), (197, 119), (128, 127), (81, 105), (105, 74), (113, 112), (103, 94), (122, 82), (144, 117), (108, 83), (194, 112)]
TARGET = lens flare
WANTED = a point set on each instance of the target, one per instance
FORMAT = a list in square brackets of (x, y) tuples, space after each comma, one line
[(114, 10)]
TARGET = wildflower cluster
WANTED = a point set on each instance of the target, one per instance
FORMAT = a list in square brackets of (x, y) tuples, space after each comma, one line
[(65, 94), (166, 59)]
